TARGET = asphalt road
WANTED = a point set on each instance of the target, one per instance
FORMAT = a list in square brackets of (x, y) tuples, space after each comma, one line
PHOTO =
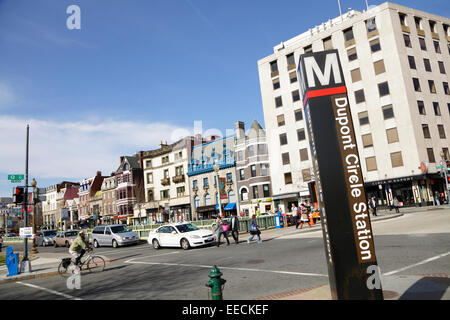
[(252, 271)]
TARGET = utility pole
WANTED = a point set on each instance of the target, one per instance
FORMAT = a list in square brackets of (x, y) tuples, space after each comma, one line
[(25, 264)]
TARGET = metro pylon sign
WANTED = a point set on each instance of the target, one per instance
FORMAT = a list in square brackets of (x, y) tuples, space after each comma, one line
[(350, 252)]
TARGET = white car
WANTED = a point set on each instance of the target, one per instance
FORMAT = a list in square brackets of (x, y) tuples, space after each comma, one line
[(184, 235)]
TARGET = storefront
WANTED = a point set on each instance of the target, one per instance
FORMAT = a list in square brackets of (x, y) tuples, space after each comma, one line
[(207, 212), (419, 190), (181, 212)]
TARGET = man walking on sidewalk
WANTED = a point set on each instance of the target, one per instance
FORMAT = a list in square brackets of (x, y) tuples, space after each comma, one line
[(373, 206), (235, 227), (294, 211)]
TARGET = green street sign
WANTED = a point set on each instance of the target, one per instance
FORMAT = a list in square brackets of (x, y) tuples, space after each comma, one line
[(16, 176), (439, 167)]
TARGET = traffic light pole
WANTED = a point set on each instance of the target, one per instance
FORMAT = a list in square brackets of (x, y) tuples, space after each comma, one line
[(25, 198)]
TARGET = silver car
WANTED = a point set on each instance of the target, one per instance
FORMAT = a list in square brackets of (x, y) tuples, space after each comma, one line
[(45, 237), (113, 235)]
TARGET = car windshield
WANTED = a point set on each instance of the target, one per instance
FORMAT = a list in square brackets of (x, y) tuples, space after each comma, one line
[(49, 233), (186, 227), (72, 234), (120, 229)]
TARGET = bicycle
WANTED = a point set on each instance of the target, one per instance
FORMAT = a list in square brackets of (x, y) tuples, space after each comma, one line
[(91, 262)]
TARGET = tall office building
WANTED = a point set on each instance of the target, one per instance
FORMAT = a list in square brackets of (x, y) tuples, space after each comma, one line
[(396, 63)]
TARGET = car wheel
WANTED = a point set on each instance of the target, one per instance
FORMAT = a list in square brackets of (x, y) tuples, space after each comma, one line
[(156, 245), (96, 244), (185, 244), (43, 243), (114, 244)]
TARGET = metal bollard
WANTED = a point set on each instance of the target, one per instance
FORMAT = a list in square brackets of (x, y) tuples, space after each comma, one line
[(216, 283)]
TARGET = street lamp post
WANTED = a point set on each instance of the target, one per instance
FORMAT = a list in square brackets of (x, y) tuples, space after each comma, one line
[(216, 170), (444, 168), (33, 184)]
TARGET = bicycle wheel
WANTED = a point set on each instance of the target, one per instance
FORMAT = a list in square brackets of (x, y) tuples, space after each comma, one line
[(64, 271), (96, 264)]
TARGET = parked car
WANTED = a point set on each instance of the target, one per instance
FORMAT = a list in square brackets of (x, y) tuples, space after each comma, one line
[(65, 238), (184, 235), (45, 237), (11, 235), (113, 235)]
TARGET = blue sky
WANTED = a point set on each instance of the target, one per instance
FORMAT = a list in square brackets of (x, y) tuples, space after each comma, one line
[(136, 72)]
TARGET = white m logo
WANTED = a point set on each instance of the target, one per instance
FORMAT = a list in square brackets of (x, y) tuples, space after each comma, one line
[(331, 63)]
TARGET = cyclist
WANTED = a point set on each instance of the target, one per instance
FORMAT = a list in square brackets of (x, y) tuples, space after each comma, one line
[(78, 247)]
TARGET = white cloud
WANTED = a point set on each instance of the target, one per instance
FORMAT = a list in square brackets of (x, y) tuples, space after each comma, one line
[(6, 96), (77, 149)]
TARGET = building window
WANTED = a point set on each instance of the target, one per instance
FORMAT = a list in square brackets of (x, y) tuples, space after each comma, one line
[(231, 196), (306, 174), (165, 159), (371, 164), (253, 170), (298, 115), (441, 67), (371, 25), (416, 84), (359, 96), (251, 151), (367, 140), (363, 118), (264, 171), (262, 149), (166, 174), (148, 163), (437, 110), (278, 102), (348, 34), (276, 83), (179, 171), (229, 177), (293, 77), (412, 62), (285, 158), (396, 159), (375, 45), (426, 63), (194, 185), (266, 192), (392, 135), (149, 178), (431, 86), (356, 75), (283, 139), (327, 44), (274, 67), (290, 60), (301, 134), (430, 153), (180, 191), (418, 22), (379, 67), (407, 40), (150, 196), (383, 89), (446, 154), (244, 194), (207, 200), (441, 131), (437, 47), (241, 174), (423, 46), (287, 178), (352, 54), (295, 96), (205, 183), (240, 155), (388, 112), (426, 131), (255, 192), (164, 194), (448, 107), (446, 89), (303, 154)]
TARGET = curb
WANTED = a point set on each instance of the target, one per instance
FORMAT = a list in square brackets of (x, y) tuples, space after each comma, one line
[(28, 277)]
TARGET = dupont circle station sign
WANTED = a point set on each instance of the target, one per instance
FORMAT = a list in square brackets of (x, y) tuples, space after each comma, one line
[(347, 231)]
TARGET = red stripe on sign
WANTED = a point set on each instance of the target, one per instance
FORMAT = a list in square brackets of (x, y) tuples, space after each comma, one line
[(323, 92)]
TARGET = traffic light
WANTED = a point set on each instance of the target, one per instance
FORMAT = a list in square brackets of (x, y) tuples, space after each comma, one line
[(18, 194)]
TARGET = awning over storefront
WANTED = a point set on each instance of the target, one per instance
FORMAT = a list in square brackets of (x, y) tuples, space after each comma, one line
[(230, 206), (285, 196), (207, 208), (122, 217)]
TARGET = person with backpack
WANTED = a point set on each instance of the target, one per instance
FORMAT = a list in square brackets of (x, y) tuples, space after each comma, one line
[(222, 228), (254, 230)]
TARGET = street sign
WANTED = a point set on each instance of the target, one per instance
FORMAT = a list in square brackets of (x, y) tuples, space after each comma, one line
[(16, 181), (16, 176), (26, 232), (347, 231), (439, 167)]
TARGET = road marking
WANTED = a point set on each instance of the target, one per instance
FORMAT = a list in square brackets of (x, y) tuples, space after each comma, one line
[(417, 264), (50, 291), (154, 255), (229, 268), (121, 251)]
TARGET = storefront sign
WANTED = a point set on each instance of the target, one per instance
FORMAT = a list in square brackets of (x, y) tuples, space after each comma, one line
[(342, 200), (223, 193)]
